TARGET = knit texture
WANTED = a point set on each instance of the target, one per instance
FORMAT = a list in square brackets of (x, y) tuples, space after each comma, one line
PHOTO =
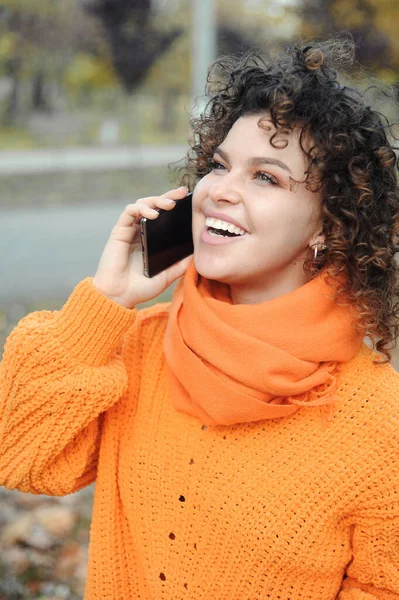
[(291, 508)]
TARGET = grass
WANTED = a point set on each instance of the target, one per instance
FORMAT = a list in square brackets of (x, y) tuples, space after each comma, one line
[(16, 138), (77, 187)]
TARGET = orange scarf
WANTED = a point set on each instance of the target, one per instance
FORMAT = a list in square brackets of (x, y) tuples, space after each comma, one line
[(236, 363)]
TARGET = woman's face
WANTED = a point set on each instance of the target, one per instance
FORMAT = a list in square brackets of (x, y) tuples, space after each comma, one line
[(251, 183)]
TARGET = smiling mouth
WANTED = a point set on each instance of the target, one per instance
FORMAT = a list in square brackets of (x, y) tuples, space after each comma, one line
[(222, 228), (220, 233), (217, 237)]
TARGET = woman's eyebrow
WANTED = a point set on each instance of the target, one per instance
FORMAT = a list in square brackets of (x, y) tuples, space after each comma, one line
[(256, 161)]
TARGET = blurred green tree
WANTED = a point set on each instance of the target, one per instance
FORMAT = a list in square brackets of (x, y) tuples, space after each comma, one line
[(48, 47), (372, 23), (134, 41), (39, 41)]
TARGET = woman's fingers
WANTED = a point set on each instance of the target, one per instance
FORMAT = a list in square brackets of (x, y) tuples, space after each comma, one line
[(120, 271), (147, 207)]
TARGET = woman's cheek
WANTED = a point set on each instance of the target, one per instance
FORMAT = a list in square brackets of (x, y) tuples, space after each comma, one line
[(200, 191)]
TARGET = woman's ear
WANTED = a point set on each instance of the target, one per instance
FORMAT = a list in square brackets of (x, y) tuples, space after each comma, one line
[(318, 239)]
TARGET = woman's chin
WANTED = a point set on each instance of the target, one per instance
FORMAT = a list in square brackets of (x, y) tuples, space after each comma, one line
[(211, 270)]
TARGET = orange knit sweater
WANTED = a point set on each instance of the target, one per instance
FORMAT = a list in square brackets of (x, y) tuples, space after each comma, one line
[(283, 509)]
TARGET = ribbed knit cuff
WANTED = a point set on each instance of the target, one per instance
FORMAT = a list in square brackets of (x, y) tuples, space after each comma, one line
[(90, 325)]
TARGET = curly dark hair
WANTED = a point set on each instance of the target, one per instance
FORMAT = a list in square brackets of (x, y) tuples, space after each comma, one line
[(350, 159)]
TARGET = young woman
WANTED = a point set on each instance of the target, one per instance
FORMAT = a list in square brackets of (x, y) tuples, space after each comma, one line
[(243, 438)]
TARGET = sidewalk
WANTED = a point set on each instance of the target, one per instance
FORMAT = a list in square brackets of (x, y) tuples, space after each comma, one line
[(88, 159)]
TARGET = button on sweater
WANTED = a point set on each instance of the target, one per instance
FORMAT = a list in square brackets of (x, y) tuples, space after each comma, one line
[(293, 508)]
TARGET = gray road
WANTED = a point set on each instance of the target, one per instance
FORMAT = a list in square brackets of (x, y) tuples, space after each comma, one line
[(45, 252)]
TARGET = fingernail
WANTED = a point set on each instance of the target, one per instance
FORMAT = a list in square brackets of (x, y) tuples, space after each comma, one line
[(169, 201), (183, 187)]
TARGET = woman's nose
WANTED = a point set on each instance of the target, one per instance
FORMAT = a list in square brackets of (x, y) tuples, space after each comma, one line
[(225, 189)]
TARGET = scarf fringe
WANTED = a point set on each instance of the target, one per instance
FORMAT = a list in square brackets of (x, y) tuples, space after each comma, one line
[(327, 413), (322, 395)]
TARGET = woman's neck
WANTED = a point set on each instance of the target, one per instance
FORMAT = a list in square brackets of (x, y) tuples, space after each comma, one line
[(276, 286)]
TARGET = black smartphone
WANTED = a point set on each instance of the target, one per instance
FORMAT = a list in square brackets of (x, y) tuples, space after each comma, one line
[(168, 238)]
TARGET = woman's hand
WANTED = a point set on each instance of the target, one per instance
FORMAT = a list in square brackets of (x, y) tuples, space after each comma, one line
[(119, 273)]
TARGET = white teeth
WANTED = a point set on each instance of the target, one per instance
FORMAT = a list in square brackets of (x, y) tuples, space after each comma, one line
[(224, 226)]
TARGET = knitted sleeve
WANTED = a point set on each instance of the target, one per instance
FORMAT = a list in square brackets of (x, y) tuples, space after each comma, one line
[(60, 371), (373, 573)]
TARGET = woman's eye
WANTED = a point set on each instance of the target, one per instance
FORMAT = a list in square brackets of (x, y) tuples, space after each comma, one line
[(262, 176), (215, 166)]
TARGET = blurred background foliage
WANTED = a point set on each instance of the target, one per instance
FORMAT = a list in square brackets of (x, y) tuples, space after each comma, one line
[(90, 58), (102, 75)]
